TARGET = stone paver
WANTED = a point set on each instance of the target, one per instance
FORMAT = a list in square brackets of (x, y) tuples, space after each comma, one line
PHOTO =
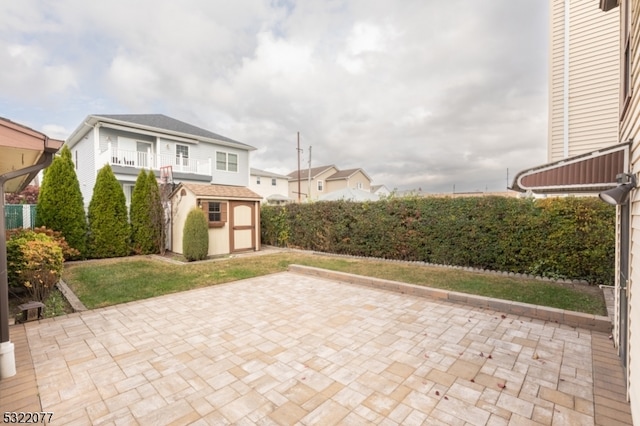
[(289, 348)]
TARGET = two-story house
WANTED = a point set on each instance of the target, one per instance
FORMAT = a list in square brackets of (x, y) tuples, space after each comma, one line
[(318, 181), (272, 187), (176, 151)]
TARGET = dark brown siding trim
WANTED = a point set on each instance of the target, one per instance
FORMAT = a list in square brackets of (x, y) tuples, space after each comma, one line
[(590, 172)]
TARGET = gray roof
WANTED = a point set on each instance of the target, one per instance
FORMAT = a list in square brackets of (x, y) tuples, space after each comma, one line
[(163, 122), (264, 173)]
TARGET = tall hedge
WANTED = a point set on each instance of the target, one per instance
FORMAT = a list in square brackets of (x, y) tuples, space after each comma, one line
[(571, 237), (60, 204), (146, 215), (195, 236), (108, 221)]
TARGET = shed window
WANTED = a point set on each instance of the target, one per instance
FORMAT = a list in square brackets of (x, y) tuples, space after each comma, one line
[(216, 212)]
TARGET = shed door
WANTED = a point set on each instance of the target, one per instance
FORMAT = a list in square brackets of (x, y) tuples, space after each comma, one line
[(242, 225)]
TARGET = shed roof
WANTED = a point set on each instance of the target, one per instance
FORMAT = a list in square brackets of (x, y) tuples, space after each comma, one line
[(220, 191)]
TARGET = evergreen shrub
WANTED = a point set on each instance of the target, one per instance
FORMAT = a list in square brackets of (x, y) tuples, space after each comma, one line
[(60, 204), (108, 220), (195, 236), (564, 237)]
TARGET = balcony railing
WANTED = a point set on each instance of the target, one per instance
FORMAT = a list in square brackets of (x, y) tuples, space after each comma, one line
[(147, 160)]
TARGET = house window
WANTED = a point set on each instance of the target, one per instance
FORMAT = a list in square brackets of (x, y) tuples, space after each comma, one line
[(216, 212), (320, 185), (273, 181), (182, 151), (359, 185), (226, 161), (258, 180)]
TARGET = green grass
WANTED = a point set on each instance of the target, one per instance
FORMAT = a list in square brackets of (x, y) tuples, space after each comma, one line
[(114, 281)]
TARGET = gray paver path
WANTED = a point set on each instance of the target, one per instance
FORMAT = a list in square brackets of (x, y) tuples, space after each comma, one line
[(288, 348)]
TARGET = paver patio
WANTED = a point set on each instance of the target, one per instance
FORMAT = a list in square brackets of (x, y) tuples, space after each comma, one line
[(289, 348)]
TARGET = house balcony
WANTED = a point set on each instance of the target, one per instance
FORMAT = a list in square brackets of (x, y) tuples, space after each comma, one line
[(147, 160)]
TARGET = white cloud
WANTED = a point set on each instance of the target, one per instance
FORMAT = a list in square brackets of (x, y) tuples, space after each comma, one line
[(427, 94)]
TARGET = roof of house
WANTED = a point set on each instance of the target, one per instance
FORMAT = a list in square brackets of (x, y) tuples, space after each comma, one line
[(375, 188), (315, 171), (219, 191), (264, 173), (159, 123), (345, 174)]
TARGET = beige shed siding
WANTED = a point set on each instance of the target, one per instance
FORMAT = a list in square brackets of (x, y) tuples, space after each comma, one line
[(218, 237), (593, 79), (629, 130)]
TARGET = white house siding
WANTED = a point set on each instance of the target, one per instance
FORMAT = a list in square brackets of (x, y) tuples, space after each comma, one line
[(83, 158), (629, 129), (593, 79), (265, 188)]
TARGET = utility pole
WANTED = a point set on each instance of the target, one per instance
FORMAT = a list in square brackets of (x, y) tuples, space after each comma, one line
[(299, 151), (309, 184)]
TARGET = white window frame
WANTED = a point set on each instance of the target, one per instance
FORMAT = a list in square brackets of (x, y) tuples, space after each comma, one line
[(320, 186), (227, 163), (257, 180), (273, 182), (185, 158)]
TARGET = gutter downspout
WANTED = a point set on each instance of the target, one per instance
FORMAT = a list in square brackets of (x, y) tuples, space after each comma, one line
[(565, 107), (7, 355)]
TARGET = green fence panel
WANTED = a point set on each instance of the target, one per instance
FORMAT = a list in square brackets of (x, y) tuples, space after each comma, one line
[(20, 216)]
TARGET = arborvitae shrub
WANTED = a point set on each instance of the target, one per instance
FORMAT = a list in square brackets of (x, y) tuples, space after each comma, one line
[(156, 214), (566, 237), (195, 236), (108, 222), (60, 204)]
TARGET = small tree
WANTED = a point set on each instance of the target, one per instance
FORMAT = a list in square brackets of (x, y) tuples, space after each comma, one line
[(146, 215), (157, 215), (108, 222), (60, 204), (195, 236)]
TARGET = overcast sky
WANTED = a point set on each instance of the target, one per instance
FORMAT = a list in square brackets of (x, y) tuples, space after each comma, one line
[(419, 93)]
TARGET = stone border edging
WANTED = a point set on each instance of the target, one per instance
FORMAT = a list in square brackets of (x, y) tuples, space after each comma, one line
[(561, 316), (73, 300)]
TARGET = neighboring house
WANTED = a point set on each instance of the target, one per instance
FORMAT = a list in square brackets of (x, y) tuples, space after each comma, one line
[(178, 153), (131, 142), (612, 169), (380, 190), (323, 180), (272, 187), (583, 79), (233, 213), (350, 194)]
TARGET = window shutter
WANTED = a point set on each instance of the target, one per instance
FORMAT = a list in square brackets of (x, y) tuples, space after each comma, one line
[(223, 212)]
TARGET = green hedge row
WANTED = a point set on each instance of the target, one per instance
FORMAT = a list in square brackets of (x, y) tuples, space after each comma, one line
[(570, 238)]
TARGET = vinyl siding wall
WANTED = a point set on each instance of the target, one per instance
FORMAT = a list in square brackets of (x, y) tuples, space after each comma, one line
[(630, 129), (265, 189), (593, 78), (351, 182), (83, 157)]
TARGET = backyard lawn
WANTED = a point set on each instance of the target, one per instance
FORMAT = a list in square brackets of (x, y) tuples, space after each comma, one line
[(113, 281)]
